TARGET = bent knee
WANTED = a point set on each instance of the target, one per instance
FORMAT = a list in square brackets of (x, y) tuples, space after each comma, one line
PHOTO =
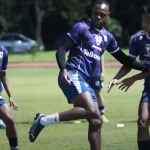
[(93, 115), (95, 123)]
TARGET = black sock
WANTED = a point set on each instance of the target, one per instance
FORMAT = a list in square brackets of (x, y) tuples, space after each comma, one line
[(13, 142), (144, 145), (16, 148)]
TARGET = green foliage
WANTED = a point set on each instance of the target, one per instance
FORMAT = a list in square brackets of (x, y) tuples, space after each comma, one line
[(115, 27)]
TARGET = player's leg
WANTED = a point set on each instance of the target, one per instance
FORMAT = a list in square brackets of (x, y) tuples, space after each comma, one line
[(78, 94), (83, 109), (94, 132), (101, 106), (143, 135), (11, 133)]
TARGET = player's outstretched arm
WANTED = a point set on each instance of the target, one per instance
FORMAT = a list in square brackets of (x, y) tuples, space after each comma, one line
[(112, 83), (125, 84), (129, 61), (121, 73)]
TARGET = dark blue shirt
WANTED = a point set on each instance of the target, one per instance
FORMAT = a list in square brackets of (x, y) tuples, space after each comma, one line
[(3, 62), (139, 47), (90, 44)]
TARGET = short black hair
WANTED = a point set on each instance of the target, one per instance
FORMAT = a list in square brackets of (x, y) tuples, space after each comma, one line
[(101, 2), (93, 3)]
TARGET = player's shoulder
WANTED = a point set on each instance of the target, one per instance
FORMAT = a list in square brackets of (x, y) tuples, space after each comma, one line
[(81, 25), (138, 36), (3, 50), (107, 33)]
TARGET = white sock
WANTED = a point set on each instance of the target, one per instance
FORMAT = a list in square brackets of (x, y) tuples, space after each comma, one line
[(49, 119)]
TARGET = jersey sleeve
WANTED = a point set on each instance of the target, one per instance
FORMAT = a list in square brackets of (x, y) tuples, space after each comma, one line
[(113, 44), (133, 47), (4, 60), (76, 32)]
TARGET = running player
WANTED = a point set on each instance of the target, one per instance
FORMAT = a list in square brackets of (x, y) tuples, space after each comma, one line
[(79, 76), (139, 48), (5, 112)]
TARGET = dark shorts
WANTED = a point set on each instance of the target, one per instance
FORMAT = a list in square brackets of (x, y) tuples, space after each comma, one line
[(2, 101), (145, 95), (77, 86)]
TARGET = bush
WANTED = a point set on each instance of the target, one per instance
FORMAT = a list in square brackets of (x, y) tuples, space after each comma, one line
[(115, 27)]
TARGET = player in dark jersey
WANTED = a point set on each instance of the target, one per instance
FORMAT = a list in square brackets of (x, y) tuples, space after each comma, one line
[(139, 47), (5, 112), (79, 76)]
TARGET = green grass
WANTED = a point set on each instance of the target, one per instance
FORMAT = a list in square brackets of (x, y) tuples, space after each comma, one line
[(36, 90), (28, 57), (42, 56)]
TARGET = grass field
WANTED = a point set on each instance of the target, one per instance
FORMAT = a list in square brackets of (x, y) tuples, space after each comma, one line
[(36, 90), (42, 56)]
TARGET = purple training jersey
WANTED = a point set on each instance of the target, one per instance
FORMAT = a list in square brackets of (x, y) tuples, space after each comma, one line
[(139, 47), (90, 44), (3, 58), (3, 61)]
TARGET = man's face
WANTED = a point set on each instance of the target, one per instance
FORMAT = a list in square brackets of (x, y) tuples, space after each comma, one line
[(100, 14), (146, 23)]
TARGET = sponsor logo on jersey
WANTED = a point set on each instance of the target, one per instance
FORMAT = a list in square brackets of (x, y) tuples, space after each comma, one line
[(90, 54)]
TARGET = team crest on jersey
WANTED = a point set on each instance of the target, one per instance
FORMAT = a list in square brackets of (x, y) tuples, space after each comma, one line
[(141, 37), (98, 39)]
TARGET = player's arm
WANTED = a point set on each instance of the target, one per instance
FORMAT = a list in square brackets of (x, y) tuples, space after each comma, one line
[(5, 85), (129, 61), (68, 41), (4, 82), (125, 84), (62, 48), (124, 70), (61, 52), (3, 78)]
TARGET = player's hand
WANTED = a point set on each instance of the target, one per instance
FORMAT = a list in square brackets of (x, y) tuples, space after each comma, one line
[(13, 104), (65, 75), (112, 83), (125, 84)]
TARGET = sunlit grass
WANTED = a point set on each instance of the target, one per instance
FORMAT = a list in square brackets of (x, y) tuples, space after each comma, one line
[(36, 90)]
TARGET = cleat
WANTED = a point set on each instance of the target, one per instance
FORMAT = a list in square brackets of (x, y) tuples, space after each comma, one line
[(36, 127)]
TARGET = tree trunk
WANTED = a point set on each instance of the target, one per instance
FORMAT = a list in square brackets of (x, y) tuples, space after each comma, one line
[(39, 18)]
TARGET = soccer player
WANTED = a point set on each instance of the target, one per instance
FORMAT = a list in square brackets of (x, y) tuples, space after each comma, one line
[(99, 96), (5, 112), (139, 47), (79, 76)]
